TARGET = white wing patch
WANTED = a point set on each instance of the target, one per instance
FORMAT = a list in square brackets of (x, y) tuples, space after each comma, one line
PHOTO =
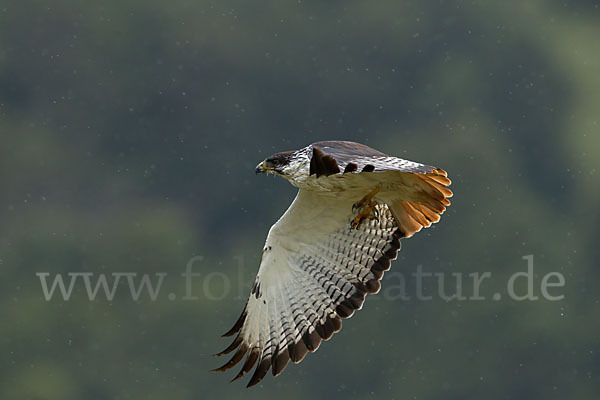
[(307, 283)]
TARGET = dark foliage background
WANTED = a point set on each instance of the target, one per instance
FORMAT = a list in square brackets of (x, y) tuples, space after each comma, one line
[(129, 134)]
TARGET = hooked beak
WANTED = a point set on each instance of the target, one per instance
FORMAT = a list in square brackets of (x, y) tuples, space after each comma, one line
[(260, 168)]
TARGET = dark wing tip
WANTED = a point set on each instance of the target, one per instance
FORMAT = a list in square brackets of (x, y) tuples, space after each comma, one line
[(260, 371), (248, 364), (234, 345), (237, 326), (344, 311), (383, 263), (240, 375), (327, 329), (280, 362), (237, 357), (312, 340), (297, 351)]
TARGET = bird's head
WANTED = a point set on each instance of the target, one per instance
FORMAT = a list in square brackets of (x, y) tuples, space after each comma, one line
[(286, 164)]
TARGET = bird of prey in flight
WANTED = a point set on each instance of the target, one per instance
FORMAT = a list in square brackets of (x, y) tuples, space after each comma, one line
[(330, 248)]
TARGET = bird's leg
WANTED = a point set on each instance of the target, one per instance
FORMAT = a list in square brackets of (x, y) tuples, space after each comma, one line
[(365, 209)]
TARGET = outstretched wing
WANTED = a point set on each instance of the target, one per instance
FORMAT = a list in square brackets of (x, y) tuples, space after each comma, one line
[(417, 194), (314, 272)]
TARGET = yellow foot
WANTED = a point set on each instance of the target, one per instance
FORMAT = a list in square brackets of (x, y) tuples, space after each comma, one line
[(365, 209)]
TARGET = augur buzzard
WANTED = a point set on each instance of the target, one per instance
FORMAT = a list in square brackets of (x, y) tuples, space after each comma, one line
[(330, 248)]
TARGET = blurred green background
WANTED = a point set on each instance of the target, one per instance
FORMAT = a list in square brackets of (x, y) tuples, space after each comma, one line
[(129, 134)]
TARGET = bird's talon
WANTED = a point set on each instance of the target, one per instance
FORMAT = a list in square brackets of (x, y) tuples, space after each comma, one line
[(365, 209)]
